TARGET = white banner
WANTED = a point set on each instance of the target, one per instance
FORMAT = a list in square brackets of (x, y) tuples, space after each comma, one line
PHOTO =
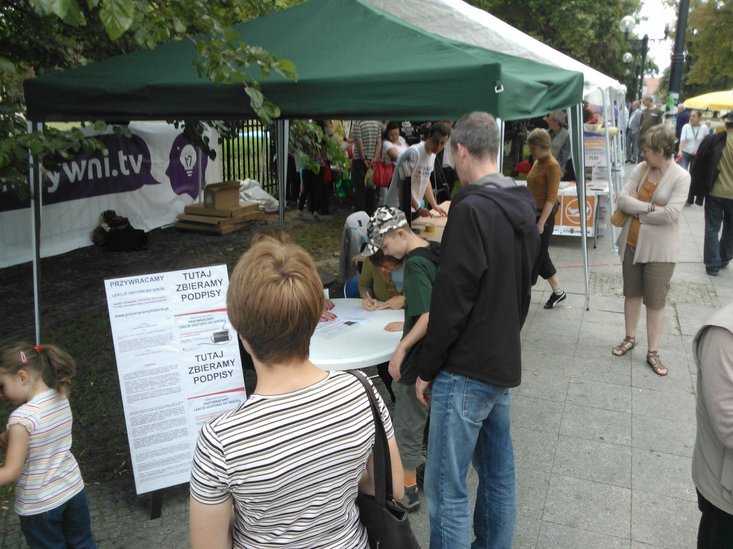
[(178, 364), (148, 177), (595, 151)]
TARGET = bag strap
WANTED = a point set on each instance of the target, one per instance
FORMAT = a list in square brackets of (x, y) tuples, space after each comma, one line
[(380, 454)]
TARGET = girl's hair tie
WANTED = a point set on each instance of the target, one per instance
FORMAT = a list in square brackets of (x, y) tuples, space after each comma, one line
[(23, 358), (38, 348)]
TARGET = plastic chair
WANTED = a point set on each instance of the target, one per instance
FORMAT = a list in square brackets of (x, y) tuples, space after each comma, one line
[(351, 288), (352, 239)]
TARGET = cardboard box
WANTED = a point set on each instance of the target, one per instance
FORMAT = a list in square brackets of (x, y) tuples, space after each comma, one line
[(222, 196)]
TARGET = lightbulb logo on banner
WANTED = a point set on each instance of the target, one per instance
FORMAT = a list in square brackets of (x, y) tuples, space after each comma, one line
[(184, 166)]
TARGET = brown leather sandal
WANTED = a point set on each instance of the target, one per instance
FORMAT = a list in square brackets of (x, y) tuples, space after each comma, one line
[(653, 360), (624, 347)]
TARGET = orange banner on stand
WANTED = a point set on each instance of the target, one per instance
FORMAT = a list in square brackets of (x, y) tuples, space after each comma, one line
[(567, 218)]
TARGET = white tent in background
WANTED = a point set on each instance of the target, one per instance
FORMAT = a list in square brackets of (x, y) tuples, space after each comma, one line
[(462, 22), (459, 21)]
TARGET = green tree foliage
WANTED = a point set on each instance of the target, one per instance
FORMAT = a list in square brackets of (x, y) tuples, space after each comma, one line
[(306, 139), (709, 47), (45, 36), (586, 30)]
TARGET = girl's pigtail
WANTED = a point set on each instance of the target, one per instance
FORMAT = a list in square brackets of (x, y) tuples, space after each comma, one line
[(57, 367)]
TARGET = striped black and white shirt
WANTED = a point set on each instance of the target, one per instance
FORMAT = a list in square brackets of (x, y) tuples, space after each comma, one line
[(292, 465), (369, 131)]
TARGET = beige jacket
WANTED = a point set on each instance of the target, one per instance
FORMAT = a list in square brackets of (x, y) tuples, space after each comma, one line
[(659, 235), (712, 459)]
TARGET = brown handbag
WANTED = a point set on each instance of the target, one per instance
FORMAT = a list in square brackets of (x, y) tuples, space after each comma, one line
[(619, 217)]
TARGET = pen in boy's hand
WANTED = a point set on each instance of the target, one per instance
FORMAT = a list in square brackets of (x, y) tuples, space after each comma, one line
[(370, 302)]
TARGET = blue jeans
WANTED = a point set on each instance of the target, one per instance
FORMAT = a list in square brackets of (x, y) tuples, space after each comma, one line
[(717, 253), (687, 161), (470, 422), (66, 526)]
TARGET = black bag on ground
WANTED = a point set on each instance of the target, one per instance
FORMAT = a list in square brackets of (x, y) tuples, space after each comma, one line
[(127, 240), (117, 235), (386, 524)]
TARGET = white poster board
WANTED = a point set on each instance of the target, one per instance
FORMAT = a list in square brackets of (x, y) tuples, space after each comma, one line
[(178, 364)]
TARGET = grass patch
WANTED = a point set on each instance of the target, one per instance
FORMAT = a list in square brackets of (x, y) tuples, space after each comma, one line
[(99, 433), (321, 239)]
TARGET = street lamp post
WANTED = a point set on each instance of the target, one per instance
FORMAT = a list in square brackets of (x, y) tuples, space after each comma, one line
[(644, 51), (678, 56), (626, 25)]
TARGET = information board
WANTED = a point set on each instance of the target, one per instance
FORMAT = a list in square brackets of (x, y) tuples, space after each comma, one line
[(178, 364), (595, 152)]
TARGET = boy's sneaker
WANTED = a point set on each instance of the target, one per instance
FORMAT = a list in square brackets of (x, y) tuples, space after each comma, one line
[(555, 299), (410, 501)]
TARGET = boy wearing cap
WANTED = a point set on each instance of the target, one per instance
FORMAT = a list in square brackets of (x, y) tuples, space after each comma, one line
[(389, 231), (712, 181)]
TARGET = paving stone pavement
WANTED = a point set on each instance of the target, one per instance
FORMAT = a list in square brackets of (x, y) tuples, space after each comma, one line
[(603, 446)]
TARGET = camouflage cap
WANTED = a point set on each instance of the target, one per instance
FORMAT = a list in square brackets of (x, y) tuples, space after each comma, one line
[(384, 220)]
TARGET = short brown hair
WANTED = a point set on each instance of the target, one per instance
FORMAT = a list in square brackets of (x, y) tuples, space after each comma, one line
[(539, 137), (659, 138), (275, 300)]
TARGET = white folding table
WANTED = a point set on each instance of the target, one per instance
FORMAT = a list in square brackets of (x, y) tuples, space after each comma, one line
[(356, 338)]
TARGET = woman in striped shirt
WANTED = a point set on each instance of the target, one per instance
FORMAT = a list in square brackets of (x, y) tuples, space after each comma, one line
[(49, 490), (287, 464)]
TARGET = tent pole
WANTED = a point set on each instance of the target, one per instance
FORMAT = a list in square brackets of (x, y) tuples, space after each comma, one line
[(613, 165), (34, 183), (199, 170), (615, 184), (624, 118), (579, 163), (283, 135), (502, 130)]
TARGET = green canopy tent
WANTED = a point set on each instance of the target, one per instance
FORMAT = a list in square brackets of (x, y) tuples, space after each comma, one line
[(353, 62)]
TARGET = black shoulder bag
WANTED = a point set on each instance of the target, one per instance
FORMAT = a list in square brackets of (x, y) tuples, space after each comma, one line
[(387, 525)]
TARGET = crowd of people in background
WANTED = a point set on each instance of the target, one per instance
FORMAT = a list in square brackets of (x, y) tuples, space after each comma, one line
[(418, 150)]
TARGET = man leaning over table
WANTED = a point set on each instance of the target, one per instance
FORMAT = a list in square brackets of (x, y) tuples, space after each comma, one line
[(411, 179), (472, 351)]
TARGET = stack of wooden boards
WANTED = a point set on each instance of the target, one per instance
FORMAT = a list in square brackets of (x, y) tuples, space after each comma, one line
[(221, 212), (217, 221)]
